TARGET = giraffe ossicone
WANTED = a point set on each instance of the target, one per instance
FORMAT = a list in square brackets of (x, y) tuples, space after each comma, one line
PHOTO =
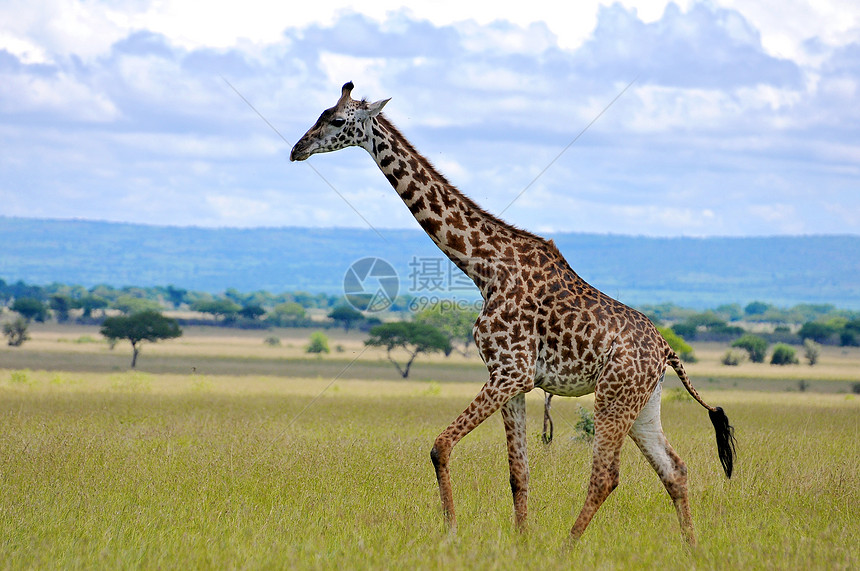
[(541, 326)]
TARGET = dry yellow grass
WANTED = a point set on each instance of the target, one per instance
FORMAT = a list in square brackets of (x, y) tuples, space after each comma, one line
[(836, 363), (139, 470), (221, 342)]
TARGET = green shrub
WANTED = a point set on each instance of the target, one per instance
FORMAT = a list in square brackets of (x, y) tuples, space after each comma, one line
[(685, 330), (816, 331), (811, 351), (783, 355), (20, 377), (733, 358), (677, 394), (318, 343), (585, 425), (848, 338), (677, 343), (16, 332), (754, 345)]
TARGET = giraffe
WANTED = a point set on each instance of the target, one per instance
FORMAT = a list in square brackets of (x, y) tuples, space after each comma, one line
[(541, 326)]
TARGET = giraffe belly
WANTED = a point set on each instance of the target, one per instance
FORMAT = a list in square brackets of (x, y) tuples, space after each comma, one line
[(566, 384), (566, 372)]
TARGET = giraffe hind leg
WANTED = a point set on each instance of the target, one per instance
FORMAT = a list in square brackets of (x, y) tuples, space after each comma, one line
[(647, 433), (514, 417)]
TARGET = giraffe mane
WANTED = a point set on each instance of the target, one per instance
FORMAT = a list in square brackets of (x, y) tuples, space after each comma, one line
[(425, 162)]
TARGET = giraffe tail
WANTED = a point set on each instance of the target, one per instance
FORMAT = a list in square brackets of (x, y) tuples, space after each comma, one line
[(725, 432)]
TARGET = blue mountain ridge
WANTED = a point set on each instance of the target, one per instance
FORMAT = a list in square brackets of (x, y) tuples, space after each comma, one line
[(691, 272)]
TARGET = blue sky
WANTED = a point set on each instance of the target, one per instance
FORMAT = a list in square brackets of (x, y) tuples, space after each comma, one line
[(742, 119)]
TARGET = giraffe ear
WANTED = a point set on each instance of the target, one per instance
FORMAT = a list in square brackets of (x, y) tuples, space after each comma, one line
[(372, 109)]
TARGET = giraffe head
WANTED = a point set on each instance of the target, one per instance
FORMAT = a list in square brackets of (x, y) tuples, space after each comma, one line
[(347, 124)]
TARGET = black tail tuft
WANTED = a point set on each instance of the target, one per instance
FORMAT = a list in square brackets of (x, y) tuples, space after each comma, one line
[(725, 439)]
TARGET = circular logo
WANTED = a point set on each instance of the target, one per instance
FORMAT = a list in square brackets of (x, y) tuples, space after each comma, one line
[(370, 284)]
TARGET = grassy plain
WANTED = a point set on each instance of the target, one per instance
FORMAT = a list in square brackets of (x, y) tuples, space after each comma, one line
[(220, 351), (212, 469)]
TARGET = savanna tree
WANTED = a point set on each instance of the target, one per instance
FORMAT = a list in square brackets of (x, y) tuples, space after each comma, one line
[(139, 327), (30, 308), (455, 322), (223, 308), (346, 316), (413, 338)]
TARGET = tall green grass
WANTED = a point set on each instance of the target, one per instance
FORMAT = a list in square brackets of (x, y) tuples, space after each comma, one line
[(135, 470)]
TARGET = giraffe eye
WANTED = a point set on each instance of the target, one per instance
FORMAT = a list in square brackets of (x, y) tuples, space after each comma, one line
[(339, 122)]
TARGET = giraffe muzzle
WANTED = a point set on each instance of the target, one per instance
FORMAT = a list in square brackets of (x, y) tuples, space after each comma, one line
[(299, 152)]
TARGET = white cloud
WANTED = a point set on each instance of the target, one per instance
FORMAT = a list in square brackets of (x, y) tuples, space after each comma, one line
[(52, 30), (785, 26), (123, 114), (26, 50), (60, 94)]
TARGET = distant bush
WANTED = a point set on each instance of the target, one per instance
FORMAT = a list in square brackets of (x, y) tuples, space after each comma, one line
[(677, 394), (811, 351), (16, 332), (129, 304), (685, 330), (756, 308), (585, 425), (252, 311), (783, 355), (848, 339), (318, 343), (730, 311), (727, 330), (733, 358), (288, 314), (222, 308), (677, 343), (346, 316), (272, 341), (817, 331), (755, 346), (30, 308)]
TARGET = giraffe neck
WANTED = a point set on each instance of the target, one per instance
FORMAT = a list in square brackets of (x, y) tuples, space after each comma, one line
[(473, 239)]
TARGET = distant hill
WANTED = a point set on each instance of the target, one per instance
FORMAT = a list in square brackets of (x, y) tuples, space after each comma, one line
[(692, 272)]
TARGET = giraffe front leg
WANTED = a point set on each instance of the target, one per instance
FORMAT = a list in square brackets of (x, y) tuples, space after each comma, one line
[(611, 425), (488, 401), (439, 455), (514, 416)]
